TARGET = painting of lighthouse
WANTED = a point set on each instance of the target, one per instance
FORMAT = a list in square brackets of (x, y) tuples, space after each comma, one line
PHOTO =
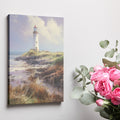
[(36, 59)]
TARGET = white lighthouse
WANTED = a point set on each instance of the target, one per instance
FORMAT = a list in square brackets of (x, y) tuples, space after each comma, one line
[(35, 37)]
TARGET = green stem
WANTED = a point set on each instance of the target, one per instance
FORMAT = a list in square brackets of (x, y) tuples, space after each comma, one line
[(113, 107), (96, 96), (84, 82)]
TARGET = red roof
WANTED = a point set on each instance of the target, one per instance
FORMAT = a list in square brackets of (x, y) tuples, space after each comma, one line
[(35, 26)]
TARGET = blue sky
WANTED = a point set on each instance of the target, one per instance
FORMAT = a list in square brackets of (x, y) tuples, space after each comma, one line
[(50, 32)]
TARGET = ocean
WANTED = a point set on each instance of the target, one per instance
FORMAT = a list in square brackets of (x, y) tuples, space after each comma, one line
[(17, 69)]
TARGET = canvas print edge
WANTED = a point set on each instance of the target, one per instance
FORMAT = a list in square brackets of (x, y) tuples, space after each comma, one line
[(8, 19)]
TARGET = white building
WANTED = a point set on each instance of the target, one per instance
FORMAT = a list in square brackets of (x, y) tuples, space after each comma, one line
[(35, 37)]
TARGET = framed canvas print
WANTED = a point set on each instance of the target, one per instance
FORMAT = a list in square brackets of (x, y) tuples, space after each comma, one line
[(35, 59)]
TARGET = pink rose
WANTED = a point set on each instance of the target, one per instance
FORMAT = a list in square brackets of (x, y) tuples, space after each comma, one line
[(118, 65), (106, 69), (99, 75), (101, 102), (114, 74), (104, 87), (116, 82), (115, 96), (98, 67)]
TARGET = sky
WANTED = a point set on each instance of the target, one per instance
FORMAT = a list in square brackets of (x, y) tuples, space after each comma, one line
[(50, 32)]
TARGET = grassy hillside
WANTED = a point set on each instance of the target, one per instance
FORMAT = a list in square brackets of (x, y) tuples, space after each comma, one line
[(44, 56), (44, 84)]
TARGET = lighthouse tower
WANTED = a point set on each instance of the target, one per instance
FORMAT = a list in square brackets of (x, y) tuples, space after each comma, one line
[(35, 37)]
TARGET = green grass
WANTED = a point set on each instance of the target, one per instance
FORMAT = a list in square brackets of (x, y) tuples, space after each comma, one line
[(45, 55)]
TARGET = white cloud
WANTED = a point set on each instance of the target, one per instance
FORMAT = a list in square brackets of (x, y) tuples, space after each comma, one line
[(51, 31)]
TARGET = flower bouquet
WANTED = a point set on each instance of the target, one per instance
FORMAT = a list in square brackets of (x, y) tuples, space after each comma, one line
[(105, 83)]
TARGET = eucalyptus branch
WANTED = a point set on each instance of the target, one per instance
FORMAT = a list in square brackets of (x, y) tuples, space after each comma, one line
[(96, 96), (103, 77)]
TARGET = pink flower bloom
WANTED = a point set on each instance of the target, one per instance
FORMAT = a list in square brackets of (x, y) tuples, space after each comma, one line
[(98, 67), (104, 87), (119, 65), (115, 96), (99, 75), (91, 73), (101, 102), (106, 69), (114, 74), (116, 82)]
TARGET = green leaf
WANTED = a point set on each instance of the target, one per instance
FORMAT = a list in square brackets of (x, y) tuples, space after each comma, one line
[(110, 53), (77, 70), (115, 49), (87, 98), (91, 69), (88, 83), (118, 57), (104, 114), (98, 109), (76, 76), (88, 76), (104, 44), (80, 80), (84, 70), (110, 64), (116, 43), (77, 92)]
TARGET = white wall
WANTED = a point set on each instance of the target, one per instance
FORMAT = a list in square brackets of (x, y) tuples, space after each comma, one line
[(86, 22)]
